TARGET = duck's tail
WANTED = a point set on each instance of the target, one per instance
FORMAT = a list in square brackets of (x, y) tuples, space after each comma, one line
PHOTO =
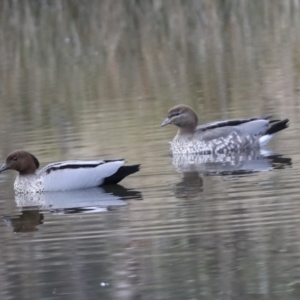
[(121, 174), (275, 126)]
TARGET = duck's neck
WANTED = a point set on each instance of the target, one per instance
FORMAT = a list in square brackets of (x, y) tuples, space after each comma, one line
[(26, 174), (185, 131)]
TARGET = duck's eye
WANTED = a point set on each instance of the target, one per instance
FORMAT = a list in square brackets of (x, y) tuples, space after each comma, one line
[(15, 158), (175, 114)]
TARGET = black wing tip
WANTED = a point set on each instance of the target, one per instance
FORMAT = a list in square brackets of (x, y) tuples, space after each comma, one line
[(278, 126), (122, 172), (132, 168), (284, 122), (138, 167)]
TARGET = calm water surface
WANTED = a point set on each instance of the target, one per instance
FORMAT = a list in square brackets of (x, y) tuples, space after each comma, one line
[(96, 81)]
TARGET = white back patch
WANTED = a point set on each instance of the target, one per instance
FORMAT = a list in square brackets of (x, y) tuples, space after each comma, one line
[(79, 178)]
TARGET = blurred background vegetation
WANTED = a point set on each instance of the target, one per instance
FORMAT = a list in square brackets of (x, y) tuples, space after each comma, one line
[(66, 60)]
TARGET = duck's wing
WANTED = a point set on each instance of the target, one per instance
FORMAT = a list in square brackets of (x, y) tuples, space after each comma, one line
[(75, 164), (261, 129), (69, 175), (264, 129), (232, 122)]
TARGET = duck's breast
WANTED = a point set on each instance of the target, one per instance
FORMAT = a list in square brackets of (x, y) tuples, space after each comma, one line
[(28, 184)]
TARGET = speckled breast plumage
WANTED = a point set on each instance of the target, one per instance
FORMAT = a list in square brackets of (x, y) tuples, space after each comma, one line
[(193, 143), (27, 184)]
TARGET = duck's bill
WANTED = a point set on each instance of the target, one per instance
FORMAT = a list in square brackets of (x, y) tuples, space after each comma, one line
[(166, 122), (4, 167)]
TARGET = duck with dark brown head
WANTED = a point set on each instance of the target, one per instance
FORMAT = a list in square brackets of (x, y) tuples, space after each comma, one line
[(65, 175)]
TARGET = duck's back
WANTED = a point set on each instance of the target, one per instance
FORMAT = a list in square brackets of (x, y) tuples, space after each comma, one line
[(217, 137), (71, 175)]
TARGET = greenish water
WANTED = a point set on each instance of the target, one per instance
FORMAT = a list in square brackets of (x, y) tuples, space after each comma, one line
[(95, 80)]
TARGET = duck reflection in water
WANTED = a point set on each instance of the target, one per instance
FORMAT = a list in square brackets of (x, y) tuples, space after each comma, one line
[(194, 167), (92, 200), (27, 221)]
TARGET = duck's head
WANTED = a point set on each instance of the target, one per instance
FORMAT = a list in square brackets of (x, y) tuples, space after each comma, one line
[(183, 117), (21, 161)]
